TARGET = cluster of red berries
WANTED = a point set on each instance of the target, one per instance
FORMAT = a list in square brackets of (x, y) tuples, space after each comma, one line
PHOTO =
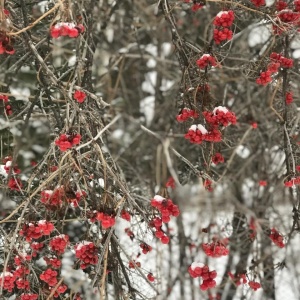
[(297, 5), (281, 5), (21, 259), (79, 96), (53, 262), (284, 62), (201, 270), (289, 98), (171, 183), (129, 233), (67, 141), (36, 247), (198, 133), (166, 207), (263, 183), (59, 243), (217, 158), (134, 264), (50, 277), (52, 198), (157, 224), (6, 44), (150, 277), (14, 184), (7, 107), (288, 16), (7, 166), (206, 60), (208, 185), (185, 114), (7, 280), (292, 182), (36, 230), (224, 18), (78, 196), (196, 6), (276, 238), (238, 279), (145, 248), (87, 252), (125, 215), (254, 285), (106, 220), (217, 248), (29, 296), (223, 21), (66, 29), (258, 3), (220, 116)]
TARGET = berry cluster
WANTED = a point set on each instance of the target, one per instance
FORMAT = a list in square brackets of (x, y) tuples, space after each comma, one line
[(66, 29), (59, 243), (150, 277), (129, 233), (29, 296), (36, 247), (281, 5), (224, 18), (171, 183), (217, 158), (297, 5), (206, 60), (201, 270), (208, 185), (53, 262), (217, 248), (145, 248), (276, 238), (87, 252), (258, 3), (67, 141), (6, 45), (14, 184), (7, 166), (198, 133), (288, 16), (36, 230), (223, 21), (292, 182), (50, 277), (254, 285), (7, 107), (196, 6), (220, 116), (7, 280), (106, 220), (79, 96), (134, 264), (166, 207), (125, 215), (52, 198), (289, 98), (238, 279), (284, 62), (185, 114), (157, 224)]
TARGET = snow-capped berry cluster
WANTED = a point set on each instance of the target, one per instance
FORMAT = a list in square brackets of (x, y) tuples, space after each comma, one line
[(289, 98), (224, 18), (66, 29), (223, 21), (50, 277), (145, 248), (258, 3), (87, 252), (201, 270), (67, 141), (220, 116), (7, 166), (52, 198), (198, 133), (52, 262), (166, 207), (79, 96), (217, 248), (276, 238), (36, 230), (206, 60), (107, 220), (7, 280), (59, 243), (36, 247), (288, 16), (185, 114), (217, 158), (29, 296)]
